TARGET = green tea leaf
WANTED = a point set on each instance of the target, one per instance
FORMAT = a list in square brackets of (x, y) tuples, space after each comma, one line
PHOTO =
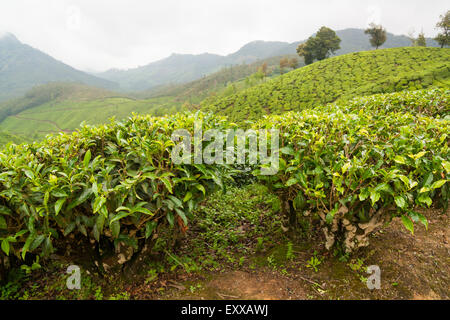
[(167, 183), (115, 228), (408, 224), (27, 244), (3, 223), (98, 204), (5, 246), (400, 201), (374, 196), (187, 197), (291, 182), (170, 218), (58, 205), (182, 216), (119, 216), (438, 184), (87, 158), (149, 227), (37, 242)]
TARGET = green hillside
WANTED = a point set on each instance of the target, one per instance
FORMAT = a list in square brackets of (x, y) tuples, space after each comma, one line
[(217, 82), (59, 107), (67, 115), (6, 137), (339, 78), (52, 92), (234, 92), (183, 68)]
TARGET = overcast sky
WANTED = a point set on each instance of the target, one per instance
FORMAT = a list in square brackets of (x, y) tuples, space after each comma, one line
[(102, 34)]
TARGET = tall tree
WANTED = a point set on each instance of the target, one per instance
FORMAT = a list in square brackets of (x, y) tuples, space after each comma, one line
[(320, 47), (412, 38), (443, 38), (305, 50), (284, 63), (421, 41), (377, 35), (293, 63), (263, 68)]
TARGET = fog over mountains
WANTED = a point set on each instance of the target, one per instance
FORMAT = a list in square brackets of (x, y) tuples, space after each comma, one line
[(23, 67)]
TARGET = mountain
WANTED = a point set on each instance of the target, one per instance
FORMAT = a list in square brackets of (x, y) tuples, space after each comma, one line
[(257, 50), (177, 68), (182, 68), (23, 67), (338, 78)]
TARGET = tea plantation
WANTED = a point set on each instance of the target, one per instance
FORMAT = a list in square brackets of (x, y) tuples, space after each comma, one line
[(116, 183), (364, 139), (339, 78)]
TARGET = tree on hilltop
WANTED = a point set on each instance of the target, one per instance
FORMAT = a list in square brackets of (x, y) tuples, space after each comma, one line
[(263, 68), (443, 38), (421, 41), (320, 47), (377, 35), (293, 63), (284, 63)]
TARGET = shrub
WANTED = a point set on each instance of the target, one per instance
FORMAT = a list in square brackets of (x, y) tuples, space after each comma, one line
[(357, 170), (431, 102), (115, 183)]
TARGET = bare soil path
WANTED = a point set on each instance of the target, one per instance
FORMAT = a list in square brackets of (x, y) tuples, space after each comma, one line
[(412, 267)]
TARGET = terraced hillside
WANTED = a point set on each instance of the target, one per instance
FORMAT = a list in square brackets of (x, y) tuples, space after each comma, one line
[(52, 92), (63, 107), (6, 137), (67, 115), (339, 78)]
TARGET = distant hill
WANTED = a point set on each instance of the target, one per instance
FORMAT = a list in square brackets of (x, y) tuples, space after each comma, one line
[(57, 106), (342, 77), (257, 50), (23, 67), (215, 83), (177, 68), (6, 137), (183, 68), (52, 92)]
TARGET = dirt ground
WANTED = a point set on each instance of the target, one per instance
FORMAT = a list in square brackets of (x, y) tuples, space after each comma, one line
[(412, 267)]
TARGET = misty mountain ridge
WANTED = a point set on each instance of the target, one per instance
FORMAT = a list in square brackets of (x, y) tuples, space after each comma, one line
[(22, 67), (181, 68)]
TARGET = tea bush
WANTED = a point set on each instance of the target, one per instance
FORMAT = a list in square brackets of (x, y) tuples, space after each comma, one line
[(357, 170), (115, 182), (431, 102), (353, 166)]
